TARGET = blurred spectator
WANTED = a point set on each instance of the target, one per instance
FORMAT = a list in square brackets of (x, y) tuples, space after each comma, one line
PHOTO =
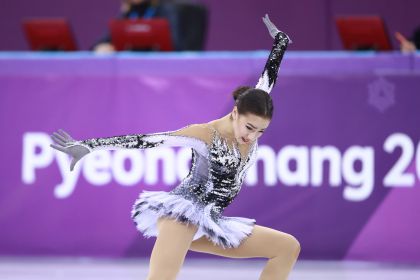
[(187, 20), (130, 9), (412, 45)]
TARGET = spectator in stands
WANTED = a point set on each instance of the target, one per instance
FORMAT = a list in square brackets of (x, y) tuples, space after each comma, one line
[(187, 20), (130, 9)]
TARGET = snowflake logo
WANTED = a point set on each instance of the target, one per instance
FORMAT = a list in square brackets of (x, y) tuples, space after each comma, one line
[(381, 94)]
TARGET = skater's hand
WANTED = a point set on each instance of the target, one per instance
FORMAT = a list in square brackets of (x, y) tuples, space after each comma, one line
[(66, 144), (272, 29), (270, 26)]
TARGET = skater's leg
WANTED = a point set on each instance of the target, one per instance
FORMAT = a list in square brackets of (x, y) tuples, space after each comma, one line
[(280, 248), (170, 248)]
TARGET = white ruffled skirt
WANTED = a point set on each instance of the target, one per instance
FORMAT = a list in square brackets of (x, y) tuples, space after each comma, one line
[(227, 232)]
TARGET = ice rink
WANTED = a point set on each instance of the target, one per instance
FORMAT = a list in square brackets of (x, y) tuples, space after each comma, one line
[(203, 269)]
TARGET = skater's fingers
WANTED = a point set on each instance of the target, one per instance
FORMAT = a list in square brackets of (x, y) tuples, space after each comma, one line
[(267, 18), (58, 141), (269, 22), (65, 134), (60, 137), (266, 22), (270, 26)]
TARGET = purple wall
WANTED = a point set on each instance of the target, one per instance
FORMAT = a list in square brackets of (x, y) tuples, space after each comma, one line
[(234, 25), (359, 111)]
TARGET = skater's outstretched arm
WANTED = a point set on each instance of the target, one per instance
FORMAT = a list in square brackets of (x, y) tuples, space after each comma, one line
[(193, 136), (281, 40)]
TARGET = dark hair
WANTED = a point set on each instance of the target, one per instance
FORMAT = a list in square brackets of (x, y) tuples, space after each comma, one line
[(252, 100)]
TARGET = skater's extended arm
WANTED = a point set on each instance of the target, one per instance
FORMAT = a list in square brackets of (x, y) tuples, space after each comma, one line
[(193, 136), (185, 137), (281, 40)]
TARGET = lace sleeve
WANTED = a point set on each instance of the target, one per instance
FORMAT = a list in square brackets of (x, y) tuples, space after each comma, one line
[(269, 75)]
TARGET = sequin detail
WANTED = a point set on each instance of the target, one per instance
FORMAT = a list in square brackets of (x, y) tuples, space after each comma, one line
[(126, 141), (200, 199)]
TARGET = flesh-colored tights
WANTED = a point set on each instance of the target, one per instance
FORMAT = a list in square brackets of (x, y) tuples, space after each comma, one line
[(175, 239)]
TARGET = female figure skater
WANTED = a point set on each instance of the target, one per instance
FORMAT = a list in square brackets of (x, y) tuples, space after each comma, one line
[(190, 216)]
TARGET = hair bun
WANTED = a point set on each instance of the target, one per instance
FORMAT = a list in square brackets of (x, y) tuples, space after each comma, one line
[(239, 91)]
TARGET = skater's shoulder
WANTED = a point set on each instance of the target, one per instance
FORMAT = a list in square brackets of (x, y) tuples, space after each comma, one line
[(201, 131)]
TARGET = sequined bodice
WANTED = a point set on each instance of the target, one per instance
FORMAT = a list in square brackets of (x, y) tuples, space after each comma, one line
[(216, 178)]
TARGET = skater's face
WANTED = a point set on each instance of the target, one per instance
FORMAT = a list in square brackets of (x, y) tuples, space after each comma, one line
[(248, 127)]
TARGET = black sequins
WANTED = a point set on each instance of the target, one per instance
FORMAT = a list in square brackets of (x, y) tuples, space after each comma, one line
[(269, 75)]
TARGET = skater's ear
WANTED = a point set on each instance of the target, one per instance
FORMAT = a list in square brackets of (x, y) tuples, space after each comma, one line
[(235, 113)]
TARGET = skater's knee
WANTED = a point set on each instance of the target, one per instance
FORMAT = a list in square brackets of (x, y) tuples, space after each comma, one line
[(296, 247), (288, 245)]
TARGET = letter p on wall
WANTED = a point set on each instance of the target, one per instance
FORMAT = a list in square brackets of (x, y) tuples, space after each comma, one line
[(37, 153)]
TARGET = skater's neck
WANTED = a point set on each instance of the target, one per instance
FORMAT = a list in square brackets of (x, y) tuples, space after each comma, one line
[(224, 126)]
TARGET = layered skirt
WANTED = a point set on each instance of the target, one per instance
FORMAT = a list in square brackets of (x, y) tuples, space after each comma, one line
[(227, 232)]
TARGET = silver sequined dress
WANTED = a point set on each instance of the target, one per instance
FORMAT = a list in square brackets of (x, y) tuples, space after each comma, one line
[(215, 178)]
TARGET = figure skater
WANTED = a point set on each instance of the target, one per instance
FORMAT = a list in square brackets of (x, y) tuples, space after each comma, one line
[(190, 217)]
